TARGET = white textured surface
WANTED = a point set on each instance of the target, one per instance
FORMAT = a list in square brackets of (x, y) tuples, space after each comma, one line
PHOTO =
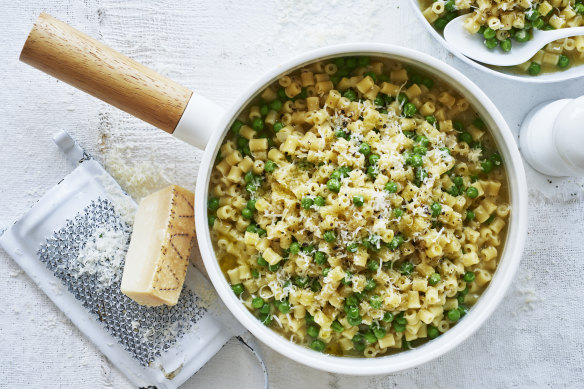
[(218, 47)]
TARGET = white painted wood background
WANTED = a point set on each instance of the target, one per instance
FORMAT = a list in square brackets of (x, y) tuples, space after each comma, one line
[(218, 48)]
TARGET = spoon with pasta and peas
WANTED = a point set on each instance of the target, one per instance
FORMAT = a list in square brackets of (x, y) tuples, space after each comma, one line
[(483, 45)]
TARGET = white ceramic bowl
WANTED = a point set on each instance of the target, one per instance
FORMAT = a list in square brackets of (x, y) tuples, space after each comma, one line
[(509, 259), (572, 72)]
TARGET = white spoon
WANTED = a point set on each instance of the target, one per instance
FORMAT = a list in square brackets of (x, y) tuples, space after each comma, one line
[(472, 46)]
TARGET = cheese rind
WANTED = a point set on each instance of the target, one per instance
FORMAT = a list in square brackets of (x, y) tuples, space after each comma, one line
[(160, 246)]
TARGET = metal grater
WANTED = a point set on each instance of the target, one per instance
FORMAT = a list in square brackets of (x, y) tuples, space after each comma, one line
[(154, 346)]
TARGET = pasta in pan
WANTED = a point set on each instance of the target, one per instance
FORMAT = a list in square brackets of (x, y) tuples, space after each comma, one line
[(505, 23), (358, 207)]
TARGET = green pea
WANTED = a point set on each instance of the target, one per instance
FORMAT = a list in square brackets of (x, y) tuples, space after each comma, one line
[(257, 124), (416, 160), (489, 33), (383, 78), (365, 149), (410, 110), (564, 60), (337, 326), (398, 212), (350, 94), (251, 204), (396, 242), (278, 126), (458, 181), (469, 276), (352, 301), (211, 220), (262, 232), (301, 281), (358, 200), (294, 248), (453, 315), (334, 185), (306, 202), (247, 213), (308, 249), (453, 191), (347, 279), (326, 271), (270, 166), (262, 261), (352, 248), (470, 215), (257, 302), (491, 43), (428, 82), (255, 273), (274, 267), (357, 338), (506, 45), (420, 150), (330, 236), (236, 126), (319, 200), (309, 318), (487, 166), (434, 279), (407, 268), (373, 158), (315, 286), (363, 61), (431, 119), (432, 332), (472, 192), (387, 317), (317, 345), (312, 331), (375, 301), (354, 321), (391, 187), (379, 101), (373, 264), (370, 285), (378, 331), (534, 69), (237, 289), (478, 123), (276, 105), (436, 209), (370, 337), (522, 35), (579, 8), (402, 98), (465, 137), (399, 327), (248, 177), (372, 75), (266, 319), (213, 204), (319, 258), (264, 109), (533, 15), (282, 94), (496, 159), (440, 23), (284, 307), (341, 134), (538, 23), (450, 6), (422, 140)]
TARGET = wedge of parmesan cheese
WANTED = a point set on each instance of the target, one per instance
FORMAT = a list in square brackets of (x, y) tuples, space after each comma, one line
[(160, 246)]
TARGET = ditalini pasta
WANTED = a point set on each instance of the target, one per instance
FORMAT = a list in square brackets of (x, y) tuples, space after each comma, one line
[(502, 22), (358, 207)]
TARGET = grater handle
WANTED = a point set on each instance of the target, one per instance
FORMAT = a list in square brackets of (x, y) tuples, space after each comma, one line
[(81, 61)]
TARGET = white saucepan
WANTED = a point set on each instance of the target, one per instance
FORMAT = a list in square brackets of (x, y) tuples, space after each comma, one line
[(71, 56)]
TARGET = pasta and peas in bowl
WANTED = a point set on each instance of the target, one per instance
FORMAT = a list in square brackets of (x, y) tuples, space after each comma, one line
[(358, 206), (503, 25)]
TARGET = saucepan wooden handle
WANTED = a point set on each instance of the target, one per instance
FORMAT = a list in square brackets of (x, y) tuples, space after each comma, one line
[(75, 58)]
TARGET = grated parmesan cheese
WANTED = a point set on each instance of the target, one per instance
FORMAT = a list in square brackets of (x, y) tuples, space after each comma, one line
[(103, 255)]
